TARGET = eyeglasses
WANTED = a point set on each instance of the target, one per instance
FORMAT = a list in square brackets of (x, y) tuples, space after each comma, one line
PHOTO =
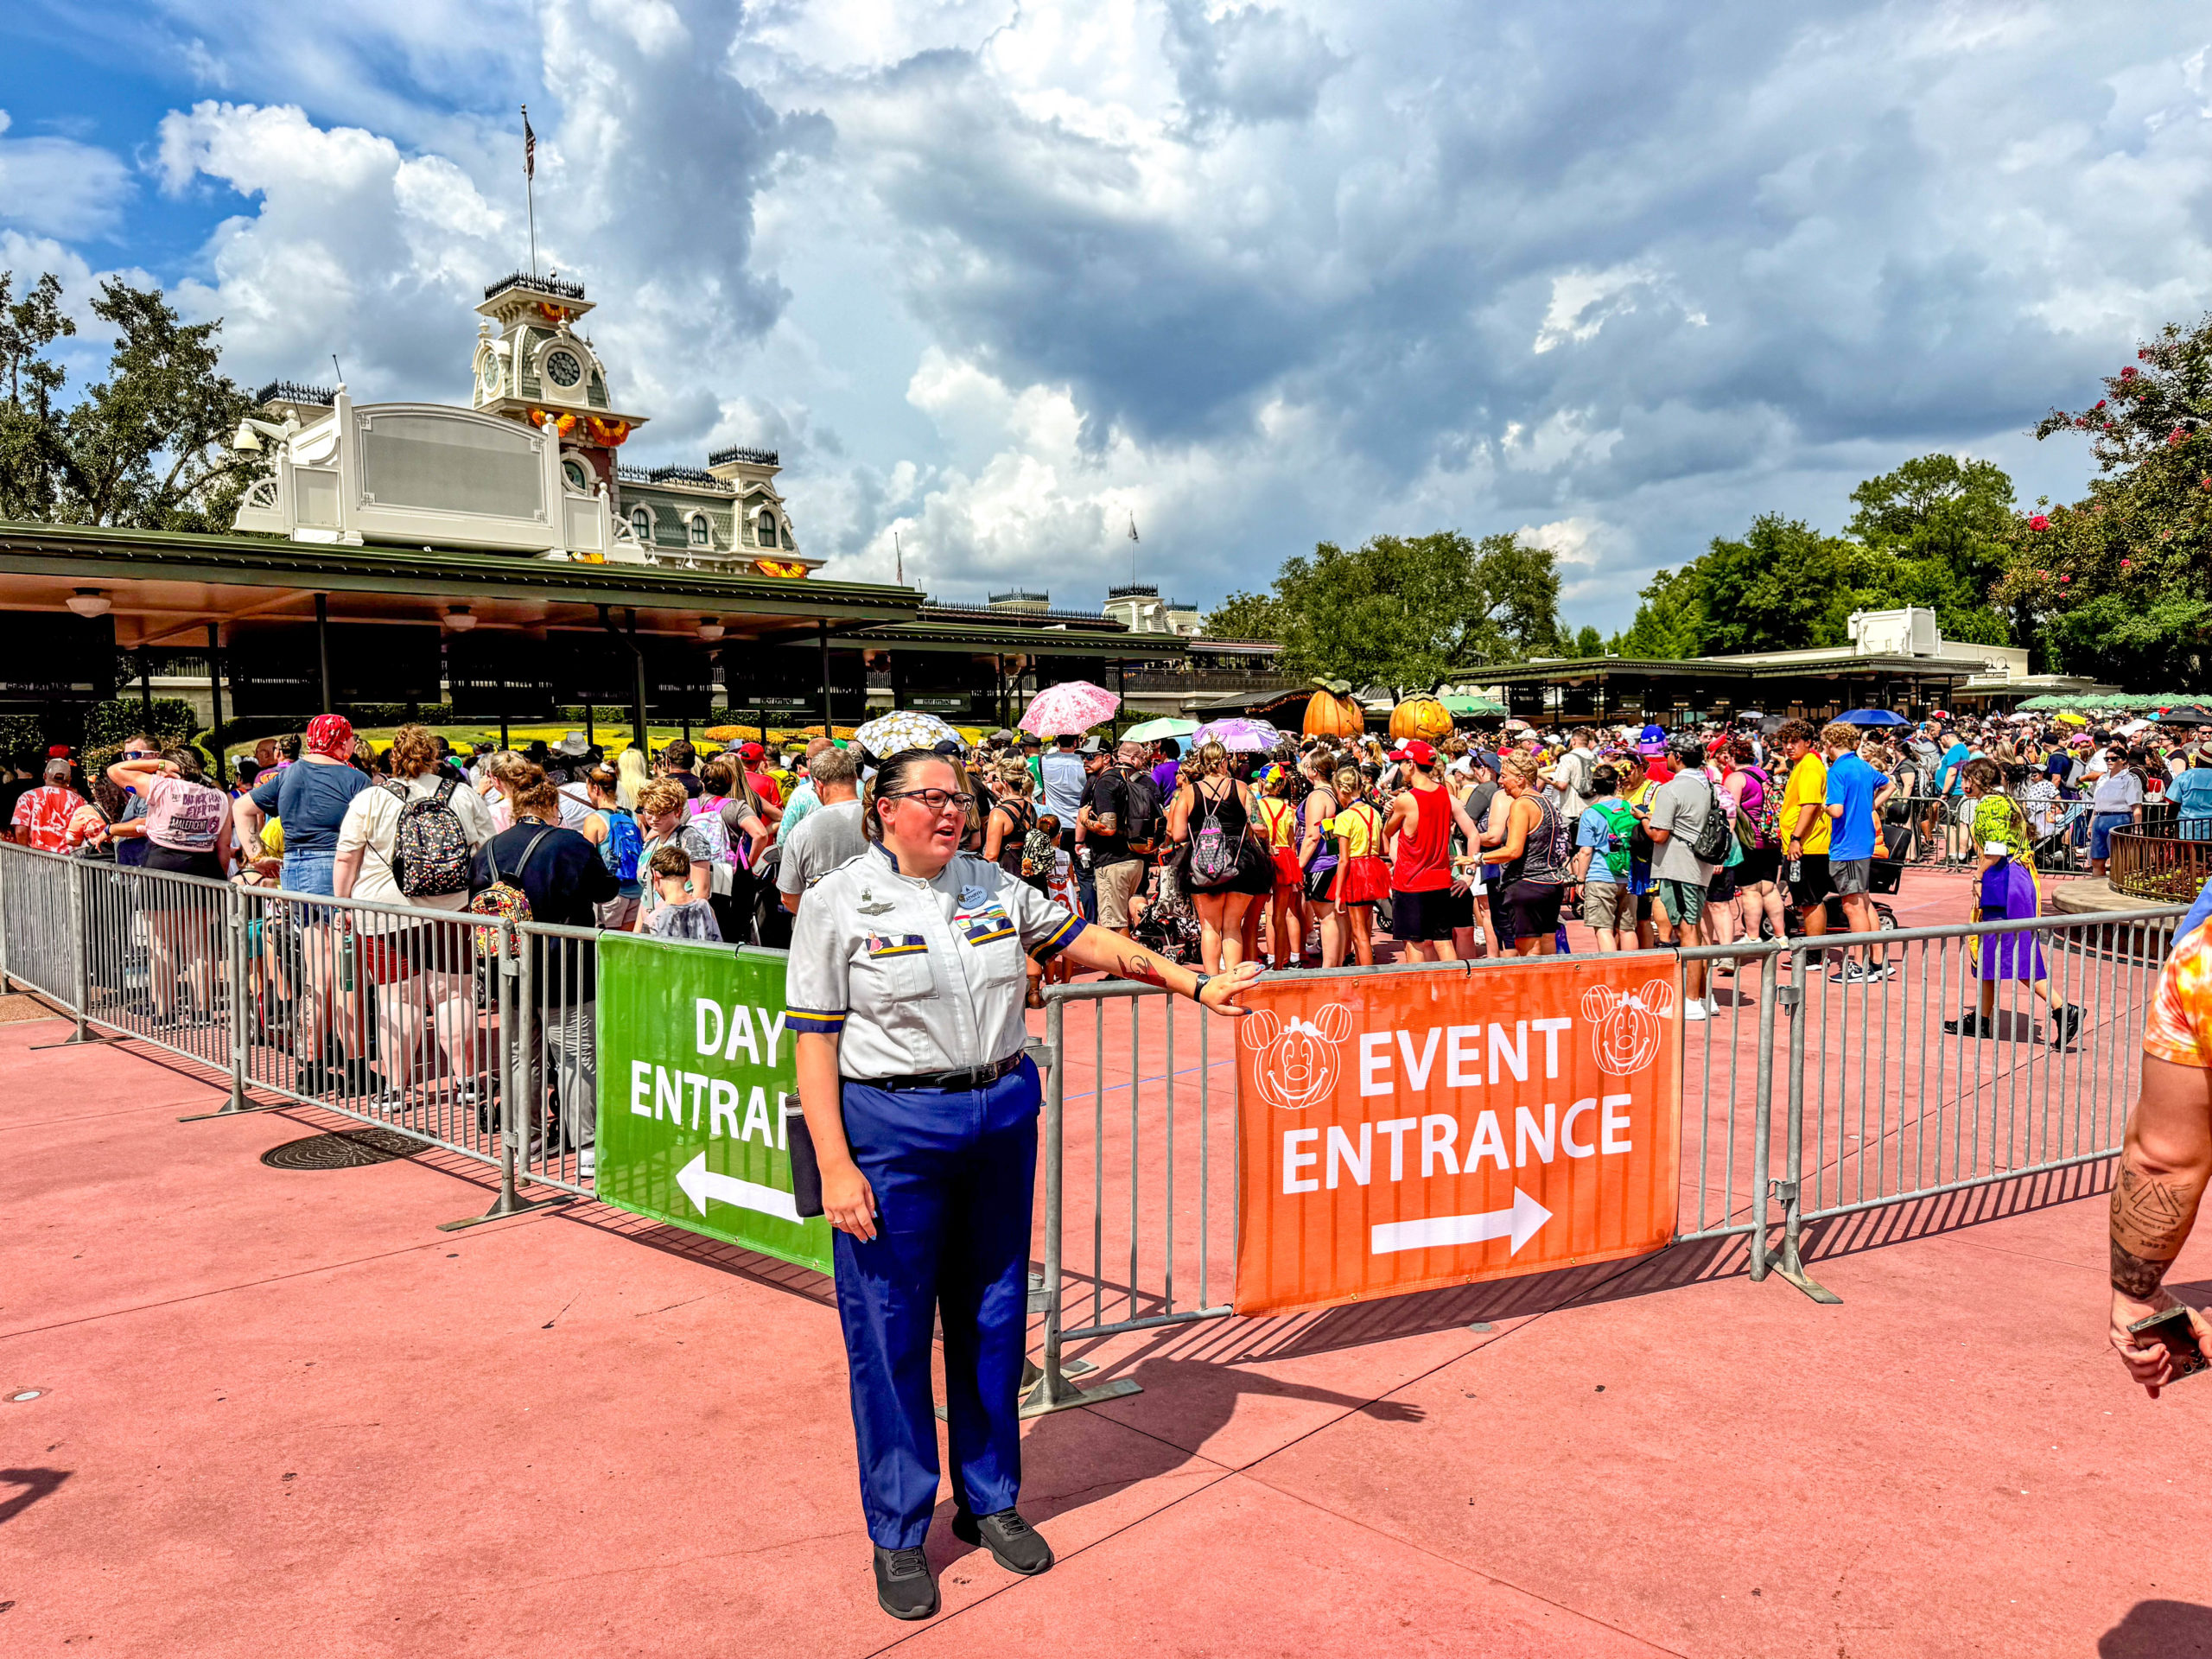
[(936, 800), (138, 755)]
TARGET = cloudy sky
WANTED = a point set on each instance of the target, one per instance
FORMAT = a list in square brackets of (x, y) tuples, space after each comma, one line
[(998, 277)]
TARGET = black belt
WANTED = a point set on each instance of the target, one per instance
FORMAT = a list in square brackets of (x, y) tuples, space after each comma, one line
[(974, 1076)]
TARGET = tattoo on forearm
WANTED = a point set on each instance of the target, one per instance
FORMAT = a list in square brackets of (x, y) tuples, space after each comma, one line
[(1139, 965), (2133, 1277), (2151, 1214)]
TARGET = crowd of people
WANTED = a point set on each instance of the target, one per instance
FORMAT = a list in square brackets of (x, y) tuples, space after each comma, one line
[(1314, 853)]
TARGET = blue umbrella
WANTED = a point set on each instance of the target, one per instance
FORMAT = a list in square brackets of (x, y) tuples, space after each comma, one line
[(1872, 717)]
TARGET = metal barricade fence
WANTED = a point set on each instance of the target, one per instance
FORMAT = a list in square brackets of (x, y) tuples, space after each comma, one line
[(39, 923), (2036, 1073), (435, 1025)]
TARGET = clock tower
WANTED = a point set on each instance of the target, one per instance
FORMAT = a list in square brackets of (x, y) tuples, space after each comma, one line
[(532, 365)]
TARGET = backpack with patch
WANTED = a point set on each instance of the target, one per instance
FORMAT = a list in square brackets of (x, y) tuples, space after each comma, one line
[(1142, 829), (1215, 855), (1766, 822), (1714, 834), (430, 853), (1620, 825), (502, 901)]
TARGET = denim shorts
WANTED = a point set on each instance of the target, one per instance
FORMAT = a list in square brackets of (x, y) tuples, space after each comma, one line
[(309, 872), (2101, 828)]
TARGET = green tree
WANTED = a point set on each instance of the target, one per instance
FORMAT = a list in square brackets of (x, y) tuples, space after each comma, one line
[(1243, 616), (1936, 531), (1588, 642), (1785, 586), (144, 447), (2118, 584), (1669, 624), (1401, 611)]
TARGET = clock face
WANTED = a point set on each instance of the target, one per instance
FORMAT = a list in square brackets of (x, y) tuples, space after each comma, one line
[(563, 369), (490, 376)]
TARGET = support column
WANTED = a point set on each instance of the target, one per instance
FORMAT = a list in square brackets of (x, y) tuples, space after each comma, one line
[(638, 666), (322, 647), (821, 630), (146, 690), (214, 677)]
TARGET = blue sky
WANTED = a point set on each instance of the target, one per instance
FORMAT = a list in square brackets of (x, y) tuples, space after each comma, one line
[(994, 277)]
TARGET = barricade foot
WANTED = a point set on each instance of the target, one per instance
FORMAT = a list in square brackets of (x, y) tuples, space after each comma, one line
[(507, 1203), (237, 1106), (1043, 1394), (80, 1039), (1804, 1282)]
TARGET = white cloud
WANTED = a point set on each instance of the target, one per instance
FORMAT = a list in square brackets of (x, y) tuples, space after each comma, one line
[(60, 188), (996, 275)]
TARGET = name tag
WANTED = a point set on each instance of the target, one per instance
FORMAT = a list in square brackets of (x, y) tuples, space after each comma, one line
[(896, 944)]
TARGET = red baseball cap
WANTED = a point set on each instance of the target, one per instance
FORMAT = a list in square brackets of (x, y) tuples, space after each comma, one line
[(751, 751), (1417, 750)]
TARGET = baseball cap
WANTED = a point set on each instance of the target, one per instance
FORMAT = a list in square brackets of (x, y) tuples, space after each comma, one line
[(1090, 746), (1417, 750), (1487, 758), (750, 750)]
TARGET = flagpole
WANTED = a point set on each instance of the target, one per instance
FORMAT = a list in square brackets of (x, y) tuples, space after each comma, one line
[(529, 184)]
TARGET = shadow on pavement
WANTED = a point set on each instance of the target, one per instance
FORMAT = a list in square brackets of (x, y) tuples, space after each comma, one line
[(1947, 1212), (36, 1484), (2159, 1629)]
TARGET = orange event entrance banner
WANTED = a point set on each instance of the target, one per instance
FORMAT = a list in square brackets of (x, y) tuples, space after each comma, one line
[(1404, 1131)]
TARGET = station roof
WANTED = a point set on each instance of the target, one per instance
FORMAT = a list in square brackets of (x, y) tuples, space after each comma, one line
[(166, 586), (1841, 663)]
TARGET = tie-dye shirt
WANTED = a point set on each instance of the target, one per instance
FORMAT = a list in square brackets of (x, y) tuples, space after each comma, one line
[(2180, 1026)]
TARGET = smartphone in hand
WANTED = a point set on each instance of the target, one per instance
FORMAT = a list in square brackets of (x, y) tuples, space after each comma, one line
[(2173, 1330)]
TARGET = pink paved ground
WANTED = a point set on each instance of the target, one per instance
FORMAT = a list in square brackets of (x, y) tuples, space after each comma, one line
[(281, 1414)]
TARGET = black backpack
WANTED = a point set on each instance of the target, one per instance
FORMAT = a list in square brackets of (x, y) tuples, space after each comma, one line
[(1143, 828), (1714, 836)]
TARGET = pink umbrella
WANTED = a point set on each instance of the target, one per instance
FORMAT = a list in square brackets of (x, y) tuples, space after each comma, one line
[(1072, 706)]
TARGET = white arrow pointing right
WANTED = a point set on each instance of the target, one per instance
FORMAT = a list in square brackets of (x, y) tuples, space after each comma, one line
[(701, 1184), (1519, 1224)]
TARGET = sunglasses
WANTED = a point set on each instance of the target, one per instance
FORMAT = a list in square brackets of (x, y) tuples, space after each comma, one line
[(138, 755)]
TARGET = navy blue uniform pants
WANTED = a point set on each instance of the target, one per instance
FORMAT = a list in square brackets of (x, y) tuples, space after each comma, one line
[(953, 1171)]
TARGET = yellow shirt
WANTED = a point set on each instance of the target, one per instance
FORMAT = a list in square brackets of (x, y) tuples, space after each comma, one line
[(1359, 831), (1807, 786), (1276, 818)]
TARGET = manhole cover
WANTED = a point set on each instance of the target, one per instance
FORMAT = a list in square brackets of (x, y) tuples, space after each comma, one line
[(343, 1149)]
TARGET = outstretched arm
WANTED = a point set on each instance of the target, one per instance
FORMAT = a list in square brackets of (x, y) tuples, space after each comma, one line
[(1096, 948)]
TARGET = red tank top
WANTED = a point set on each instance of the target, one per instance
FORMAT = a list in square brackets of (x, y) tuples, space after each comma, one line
[(1424, 861)]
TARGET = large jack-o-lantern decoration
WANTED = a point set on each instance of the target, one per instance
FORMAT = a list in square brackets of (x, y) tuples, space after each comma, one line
[(1332, 711), (1423, 717), (1297, 1063)]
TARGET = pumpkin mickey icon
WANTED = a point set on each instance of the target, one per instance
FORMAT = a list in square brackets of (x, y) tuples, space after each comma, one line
[(1298, 1061), (1624, 1030)]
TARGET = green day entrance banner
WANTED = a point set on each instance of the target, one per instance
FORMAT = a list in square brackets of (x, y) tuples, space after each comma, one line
[(695, 1068)]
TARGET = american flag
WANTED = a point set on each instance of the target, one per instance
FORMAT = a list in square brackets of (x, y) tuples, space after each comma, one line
[(529, 146)]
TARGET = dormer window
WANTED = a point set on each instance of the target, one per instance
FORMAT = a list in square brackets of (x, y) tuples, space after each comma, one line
[(767, 528), (641, 523), (699, 538), (573, 470)]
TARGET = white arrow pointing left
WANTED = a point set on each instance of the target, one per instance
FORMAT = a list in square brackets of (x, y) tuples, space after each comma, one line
[(701, 1184), (1519, 1224)]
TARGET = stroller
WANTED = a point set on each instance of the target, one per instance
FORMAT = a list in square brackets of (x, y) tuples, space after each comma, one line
[(1166, 921)]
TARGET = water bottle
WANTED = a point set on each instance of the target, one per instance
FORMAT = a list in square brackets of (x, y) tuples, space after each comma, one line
[(1796, 871)]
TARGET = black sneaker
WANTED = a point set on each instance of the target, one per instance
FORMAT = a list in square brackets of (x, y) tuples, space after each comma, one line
[(1970, 1024), (1013, 1543), (904, 1588), (2064, 1023)]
